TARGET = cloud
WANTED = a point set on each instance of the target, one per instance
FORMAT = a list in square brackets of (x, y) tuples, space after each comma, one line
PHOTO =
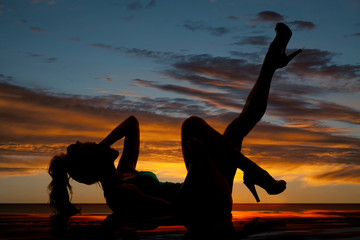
[(134, 6), (103, 46), (159, 55), (225, 68), (36, 128), (107, 78), (234, 73), (267, 16), (21, 23), (215, 80), (9, 171), (319, 65), (50, 2), (353, 35), (4, 78), (254, 40), (44, 58), (137, 5), (340, 174), (35, 55), (201, 26), (21, 163), (235, 77), (51, 59), (302, 25), (291, 108), (74, 40), (36, 30), (273, 17), (233, 18), (1, 6), (219, 100)]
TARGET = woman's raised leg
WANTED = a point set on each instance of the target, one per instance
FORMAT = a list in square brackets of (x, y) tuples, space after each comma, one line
[(255, 108), (256, 102)]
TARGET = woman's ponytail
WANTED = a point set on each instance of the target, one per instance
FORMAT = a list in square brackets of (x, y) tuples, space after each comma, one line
[(60, 192)]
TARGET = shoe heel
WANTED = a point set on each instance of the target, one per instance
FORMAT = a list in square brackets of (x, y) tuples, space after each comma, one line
[(252, 189)]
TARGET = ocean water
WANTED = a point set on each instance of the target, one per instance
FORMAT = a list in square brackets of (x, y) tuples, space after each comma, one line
[(39, 208)]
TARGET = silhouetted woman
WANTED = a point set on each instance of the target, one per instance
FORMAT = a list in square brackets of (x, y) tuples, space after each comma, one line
[(203, 202)]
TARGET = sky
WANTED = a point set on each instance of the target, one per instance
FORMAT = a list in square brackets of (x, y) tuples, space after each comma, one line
[(73, 70)]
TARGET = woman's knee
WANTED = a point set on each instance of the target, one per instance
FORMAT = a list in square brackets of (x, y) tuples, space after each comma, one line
[(132, 123), (133, 120), (192, 123)]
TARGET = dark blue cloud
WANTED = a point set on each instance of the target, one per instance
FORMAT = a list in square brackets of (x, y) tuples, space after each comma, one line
[(267, 16), (201, 26)]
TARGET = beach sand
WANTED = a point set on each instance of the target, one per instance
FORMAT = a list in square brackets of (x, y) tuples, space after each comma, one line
[(294, 222)]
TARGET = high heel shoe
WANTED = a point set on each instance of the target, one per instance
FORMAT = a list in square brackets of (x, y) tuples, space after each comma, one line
[(263, 179), (276, 56)]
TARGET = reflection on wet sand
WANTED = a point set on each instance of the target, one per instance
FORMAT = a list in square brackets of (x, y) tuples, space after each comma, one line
[(297, 223), (314, 224)]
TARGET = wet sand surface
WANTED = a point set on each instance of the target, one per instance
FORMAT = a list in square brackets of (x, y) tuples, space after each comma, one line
[(293, 222)]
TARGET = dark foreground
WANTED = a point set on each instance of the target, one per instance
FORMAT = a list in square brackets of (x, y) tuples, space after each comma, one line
[(291, 222)]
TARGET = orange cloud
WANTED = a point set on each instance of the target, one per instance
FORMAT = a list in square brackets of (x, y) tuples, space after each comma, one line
[(38, 125), (338, 175)]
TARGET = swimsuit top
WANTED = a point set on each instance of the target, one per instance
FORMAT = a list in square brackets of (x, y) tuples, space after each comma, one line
[(148, 183)]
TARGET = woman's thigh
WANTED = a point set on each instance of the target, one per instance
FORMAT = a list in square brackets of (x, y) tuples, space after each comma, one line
[(213, 143), (205, 197)]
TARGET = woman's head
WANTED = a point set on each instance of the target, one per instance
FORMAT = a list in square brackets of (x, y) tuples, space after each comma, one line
[(85, 163), (88, 162)]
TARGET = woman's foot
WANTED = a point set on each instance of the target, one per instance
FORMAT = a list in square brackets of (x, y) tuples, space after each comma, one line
[(263, 179), (276, 56)]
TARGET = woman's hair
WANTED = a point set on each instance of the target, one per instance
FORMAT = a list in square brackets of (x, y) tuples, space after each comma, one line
[(60, 192), (78, 163)]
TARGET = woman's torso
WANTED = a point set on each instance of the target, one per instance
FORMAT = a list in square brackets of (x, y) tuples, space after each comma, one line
[(124, 194)]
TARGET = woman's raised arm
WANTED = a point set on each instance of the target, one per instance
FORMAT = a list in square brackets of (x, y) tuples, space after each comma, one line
[(130, 130), (128, 127)]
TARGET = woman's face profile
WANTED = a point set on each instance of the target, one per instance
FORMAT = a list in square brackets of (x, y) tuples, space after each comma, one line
[(100, 151), (106, 151)]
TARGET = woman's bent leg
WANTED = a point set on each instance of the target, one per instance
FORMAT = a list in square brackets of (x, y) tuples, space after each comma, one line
[(225, 156), (204, 201)]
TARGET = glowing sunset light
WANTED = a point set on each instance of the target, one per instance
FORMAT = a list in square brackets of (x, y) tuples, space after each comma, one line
[(68, 74)]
